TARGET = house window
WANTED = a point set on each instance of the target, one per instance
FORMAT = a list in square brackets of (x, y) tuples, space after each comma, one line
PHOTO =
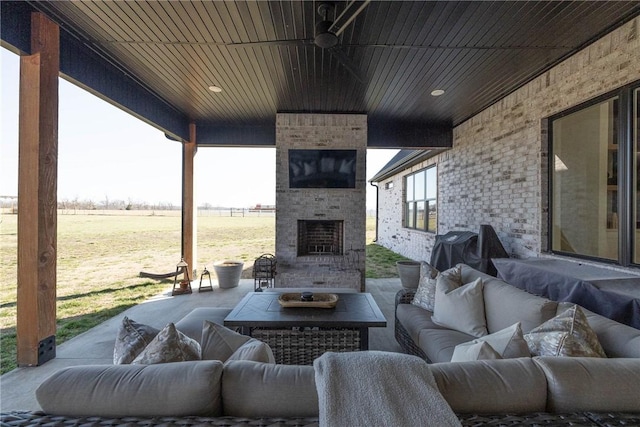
[(595, 204), (421, 200)]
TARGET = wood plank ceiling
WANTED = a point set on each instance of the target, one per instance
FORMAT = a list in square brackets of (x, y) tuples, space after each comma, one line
[(477, 52)]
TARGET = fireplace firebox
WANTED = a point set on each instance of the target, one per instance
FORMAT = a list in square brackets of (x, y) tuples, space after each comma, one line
[(317, 237)]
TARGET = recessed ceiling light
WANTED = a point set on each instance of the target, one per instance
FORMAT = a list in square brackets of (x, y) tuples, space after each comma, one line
[(437, 92), (215, 89)]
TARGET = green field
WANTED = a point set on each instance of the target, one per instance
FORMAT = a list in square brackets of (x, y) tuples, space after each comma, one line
[(100, 258)]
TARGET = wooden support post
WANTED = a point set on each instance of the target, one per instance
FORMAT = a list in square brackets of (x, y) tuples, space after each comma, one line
[(189, 209), (37, 194)]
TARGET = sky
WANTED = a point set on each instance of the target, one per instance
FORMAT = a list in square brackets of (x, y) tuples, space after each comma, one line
[(106, 153)]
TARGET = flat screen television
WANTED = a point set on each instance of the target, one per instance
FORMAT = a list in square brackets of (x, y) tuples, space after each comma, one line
[(322, 168)]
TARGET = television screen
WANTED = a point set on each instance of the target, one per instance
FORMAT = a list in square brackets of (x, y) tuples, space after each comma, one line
[(322, 168)]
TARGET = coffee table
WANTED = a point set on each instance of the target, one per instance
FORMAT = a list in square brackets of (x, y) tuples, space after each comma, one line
[(298, 335)]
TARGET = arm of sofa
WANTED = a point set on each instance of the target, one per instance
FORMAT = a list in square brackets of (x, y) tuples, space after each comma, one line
[(405, 296)]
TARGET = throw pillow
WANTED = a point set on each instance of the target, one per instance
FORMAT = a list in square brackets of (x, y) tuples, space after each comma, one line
[(219, 342), (453, 277), (508, 343), (132, 338), (567, 334), (170, 345), (460, 308), (426, 293), (254, 350), (471, 351)]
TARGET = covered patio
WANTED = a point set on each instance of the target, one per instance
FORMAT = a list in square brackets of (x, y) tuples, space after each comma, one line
[(218, 74)]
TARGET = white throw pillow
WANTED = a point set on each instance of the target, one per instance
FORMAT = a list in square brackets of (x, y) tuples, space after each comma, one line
[(460, 308), (471, 351), (221, 343), (254, 350), (508, 343)]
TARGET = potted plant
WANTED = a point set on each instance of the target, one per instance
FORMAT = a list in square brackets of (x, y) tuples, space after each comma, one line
[(228, 273), (409, 272)]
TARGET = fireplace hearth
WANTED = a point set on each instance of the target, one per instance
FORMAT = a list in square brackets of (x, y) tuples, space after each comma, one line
[(320, 237)]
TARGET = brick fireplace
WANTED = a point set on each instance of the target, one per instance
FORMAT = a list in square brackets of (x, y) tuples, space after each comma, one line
[(321, 200)]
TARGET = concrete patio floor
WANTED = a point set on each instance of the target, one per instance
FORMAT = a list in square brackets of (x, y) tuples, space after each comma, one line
[(17, 388)]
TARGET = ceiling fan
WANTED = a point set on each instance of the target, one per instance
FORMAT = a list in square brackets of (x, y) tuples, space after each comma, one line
[(326, 34)]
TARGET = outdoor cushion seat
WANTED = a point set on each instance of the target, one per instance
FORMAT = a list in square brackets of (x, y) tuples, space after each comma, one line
[(191, 324), (413, 321)]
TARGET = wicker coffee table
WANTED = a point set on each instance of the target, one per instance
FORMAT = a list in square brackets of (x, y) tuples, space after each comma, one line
[(299, 335)]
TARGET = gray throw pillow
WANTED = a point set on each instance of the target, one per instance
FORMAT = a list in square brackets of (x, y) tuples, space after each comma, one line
[(170, 345), (133, 337)]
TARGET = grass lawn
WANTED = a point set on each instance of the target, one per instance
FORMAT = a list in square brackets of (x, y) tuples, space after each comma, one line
[(101, 256)]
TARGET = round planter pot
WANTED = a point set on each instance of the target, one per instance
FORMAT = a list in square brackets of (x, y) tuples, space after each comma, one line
[(228, 273), (409, 272)]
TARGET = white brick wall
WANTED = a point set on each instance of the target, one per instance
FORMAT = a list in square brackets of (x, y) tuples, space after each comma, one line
[(496, 172)]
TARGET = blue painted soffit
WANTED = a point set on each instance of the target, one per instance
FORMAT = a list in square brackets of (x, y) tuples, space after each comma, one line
[(96, 73)]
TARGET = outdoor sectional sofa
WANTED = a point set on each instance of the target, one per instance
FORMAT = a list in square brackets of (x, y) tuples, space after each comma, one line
[(519, 391), (523, 391), (504, 305)]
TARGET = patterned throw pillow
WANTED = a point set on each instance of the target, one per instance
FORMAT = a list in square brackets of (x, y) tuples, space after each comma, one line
[(426, 293), (567, 334), (132, 338), (170, 345)]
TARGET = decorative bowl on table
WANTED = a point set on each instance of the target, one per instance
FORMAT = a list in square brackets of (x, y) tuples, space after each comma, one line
[(308, 299)]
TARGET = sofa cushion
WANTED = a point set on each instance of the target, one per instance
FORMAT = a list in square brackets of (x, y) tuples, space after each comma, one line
[(507, 343), (617, 340), (170, 345), (170, 389), (492, 386), (438, 344), (470, 351), (426, 293), (506, 304), (567, 334), (253, 389), (591, 384), (132, 338), (460, 308), (415, 319)]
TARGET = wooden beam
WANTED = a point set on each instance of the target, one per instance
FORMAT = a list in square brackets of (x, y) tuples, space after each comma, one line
[(37, 195), (189, 211)]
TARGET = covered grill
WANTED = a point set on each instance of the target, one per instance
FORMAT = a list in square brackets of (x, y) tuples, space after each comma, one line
[(473, 249)]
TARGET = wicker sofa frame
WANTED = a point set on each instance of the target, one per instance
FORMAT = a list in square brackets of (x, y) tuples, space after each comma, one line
[(21, 419), (405, 296)]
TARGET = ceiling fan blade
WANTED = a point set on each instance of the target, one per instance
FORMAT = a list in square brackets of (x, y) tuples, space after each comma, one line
[(292, 42), (343, 59), (349, 13)]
